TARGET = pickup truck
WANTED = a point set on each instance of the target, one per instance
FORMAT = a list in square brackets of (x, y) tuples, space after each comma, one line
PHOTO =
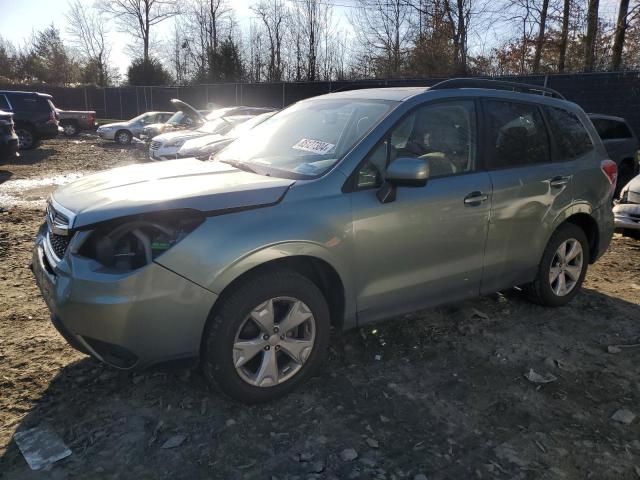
[(74, 121)]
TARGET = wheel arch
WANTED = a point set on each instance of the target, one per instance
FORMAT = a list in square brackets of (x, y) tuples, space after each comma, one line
[(589, 226)]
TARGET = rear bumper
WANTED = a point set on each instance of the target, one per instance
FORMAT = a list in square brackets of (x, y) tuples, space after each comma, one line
[(130, 320), (627, 216), (108, 135)]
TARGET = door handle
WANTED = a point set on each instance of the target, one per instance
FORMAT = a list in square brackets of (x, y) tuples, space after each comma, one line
[(475, 198), (559, 181)]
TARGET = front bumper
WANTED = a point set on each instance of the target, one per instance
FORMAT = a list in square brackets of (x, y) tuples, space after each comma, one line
[(127, 320), (627, 216), (163, 153), (106, 134)]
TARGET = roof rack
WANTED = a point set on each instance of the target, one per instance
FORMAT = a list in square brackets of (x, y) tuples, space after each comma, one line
[(496, 85)]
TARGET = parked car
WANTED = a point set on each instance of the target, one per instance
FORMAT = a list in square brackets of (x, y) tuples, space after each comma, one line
[(203, 147), (8, 137), (237, 110), (124, 132), (186, 117), (167, 145), (74, 121), (34, 116), (338, 211), (622, 146), (627, 209)]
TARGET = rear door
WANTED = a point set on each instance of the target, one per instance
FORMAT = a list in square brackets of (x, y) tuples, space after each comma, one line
[(529, 191)]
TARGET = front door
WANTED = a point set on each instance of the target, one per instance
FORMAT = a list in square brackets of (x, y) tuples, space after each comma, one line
[(427, 246)]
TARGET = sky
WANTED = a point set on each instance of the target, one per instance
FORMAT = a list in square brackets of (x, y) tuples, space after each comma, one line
[(20, 18)]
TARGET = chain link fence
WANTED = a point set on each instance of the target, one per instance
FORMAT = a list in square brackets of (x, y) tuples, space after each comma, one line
[(615, 93)]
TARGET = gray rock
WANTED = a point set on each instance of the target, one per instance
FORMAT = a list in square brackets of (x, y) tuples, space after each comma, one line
[(174, 441), (420, 476), (372, 442), (317, 467), (305, 457), (623, 416), (348, 454)]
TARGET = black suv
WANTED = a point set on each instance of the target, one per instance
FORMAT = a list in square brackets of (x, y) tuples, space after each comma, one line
[(34, 116)]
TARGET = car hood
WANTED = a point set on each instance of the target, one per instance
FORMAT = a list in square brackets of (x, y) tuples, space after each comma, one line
[(179, 135), (176, 184), (199, 142), (187, 109)]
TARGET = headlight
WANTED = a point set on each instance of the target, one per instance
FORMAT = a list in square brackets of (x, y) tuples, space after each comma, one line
[(128, 245)]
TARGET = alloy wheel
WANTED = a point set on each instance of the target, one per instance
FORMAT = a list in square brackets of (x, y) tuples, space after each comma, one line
[(566, 267), (70, 129), (274, 341), (123, 137)]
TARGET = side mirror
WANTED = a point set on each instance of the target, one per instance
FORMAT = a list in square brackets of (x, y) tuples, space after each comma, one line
[(403, 172)]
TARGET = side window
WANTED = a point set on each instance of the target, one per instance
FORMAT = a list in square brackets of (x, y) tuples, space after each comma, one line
[(517, 135), (4, 103), (443, 133), (570, 135), (611, 129)]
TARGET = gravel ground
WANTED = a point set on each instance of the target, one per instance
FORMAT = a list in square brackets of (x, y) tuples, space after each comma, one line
[(440, 393)]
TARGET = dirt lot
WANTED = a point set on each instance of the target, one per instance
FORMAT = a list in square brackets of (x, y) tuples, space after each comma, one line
[(441, 393)]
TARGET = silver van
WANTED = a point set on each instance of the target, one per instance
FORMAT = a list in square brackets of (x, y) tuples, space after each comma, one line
[(338, 211)]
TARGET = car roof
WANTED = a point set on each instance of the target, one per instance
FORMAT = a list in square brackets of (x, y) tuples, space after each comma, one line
[(21, 92), (386, 93), (601, 116)]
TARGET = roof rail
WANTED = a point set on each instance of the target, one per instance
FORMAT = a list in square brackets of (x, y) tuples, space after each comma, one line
[(496, 85)]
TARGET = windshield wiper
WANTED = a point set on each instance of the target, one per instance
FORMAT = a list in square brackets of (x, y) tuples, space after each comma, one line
[(239, 165)]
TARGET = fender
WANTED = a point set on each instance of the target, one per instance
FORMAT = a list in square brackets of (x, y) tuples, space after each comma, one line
[(283, 250)]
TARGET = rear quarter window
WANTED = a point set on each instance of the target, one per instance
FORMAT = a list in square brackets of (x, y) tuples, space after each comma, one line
[(4, 103), (571, 138), (29, 103), (611, 129)]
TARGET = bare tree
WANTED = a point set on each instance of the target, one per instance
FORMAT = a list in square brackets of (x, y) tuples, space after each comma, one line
[(384, 30), (564, 35), (619, 36), (591, 36), (273, 14), (88, 33), (136, 17), (540, 40)]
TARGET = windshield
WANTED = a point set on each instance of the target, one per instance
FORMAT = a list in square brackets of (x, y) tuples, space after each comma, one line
[(249, 124), (309, 137), (220, 112), (219, 127), (142, 118), (176, 119)]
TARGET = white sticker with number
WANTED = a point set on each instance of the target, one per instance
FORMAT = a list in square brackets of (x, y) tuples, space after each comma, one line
[(314, 146)]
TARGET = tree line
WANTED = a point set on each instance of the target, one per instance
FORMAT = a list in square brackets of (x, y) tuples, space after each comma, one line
[(307, 40)]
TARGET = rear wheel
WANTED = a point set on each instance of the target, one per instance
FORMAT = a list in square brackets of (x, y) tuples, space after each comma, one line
[(123, 137), (70, 129), (562, 268), (267, 337), (27, 138)]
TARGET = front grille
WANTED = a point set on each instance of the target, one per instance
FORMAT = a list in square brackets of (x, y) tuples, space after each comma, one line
[(59, 244), (155, 144)]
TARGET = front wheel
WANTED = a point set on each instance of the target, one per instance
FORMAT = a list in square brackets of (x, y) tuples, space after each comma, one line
[(267, 337), (562, 268), (123, 137)]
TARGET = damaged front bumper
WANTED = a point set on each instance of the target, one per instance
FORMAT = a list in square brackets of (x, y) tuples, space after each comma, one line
[(127, 320)]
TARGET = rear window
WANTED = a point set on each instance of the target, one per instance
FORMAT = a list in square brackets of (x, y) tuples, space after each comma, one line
[(611, 129), (572, 139), (29, 103), (517, 135)]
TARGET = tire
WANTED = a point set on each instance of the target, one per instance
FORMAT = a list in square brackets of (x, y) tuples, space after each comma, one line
[(27, 138), (625, 174), (228, 325), (542, 290), (70, 129), (123, 137)]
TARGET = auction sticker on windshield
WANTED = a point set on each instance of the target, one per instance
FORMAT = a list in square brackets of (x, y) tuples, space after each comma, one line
[(314, 146)]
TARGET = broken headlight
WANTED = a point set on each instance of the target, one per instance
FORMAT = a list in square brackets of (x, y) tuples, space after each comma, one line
[(134, 243)]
